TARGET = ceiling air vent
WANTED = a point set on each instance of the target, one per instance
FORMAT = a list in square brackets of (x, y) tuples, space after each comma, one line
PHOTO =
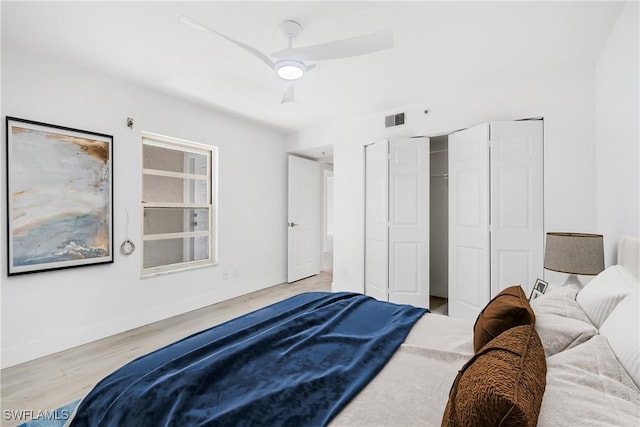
[(394, 120)]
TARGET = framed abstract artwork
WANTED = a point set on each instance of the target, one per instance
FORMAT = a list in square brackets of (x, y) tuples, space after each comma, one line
[(59, 197)]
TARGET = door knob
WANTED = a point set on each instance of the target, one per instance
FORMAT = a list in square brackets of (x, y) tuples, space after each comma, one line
[(292, 224)]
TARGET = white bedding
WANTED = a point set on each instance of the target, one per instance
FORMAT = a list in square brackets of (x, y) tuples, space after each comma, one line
[(560, 321), (413, 387), (411, 390), (586, 384), (443, 333)]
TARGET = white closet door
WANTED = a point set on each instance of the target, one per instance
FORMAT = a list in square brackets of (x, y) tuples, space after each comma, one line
[(376, 254), (469, 280), (409, 221), (304, 218), (517, 230)]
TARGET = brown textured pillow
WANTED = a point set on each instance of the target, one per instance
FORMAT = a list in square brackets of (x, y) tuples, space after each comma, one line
[(502, 385), (507, 309)]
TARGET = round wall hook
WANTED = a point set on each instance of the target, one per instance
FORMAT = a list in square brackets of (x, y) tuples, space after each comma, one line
[(127, 247)]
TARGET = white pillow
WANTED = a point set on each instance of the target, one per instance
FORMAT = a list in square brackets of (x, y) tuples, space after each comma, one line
[(560, 322), (601, 295), (559, 333), (622, 330), (560, 301)]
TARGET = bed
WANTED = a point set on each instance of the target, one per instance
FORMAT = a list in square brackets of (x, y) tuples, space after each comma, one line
[(570, 357)]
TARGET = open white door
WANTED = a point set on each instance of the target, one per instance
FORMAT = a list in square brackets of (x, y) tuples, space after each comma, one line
[(304, 224), (517, 229), (376, 277), (409, 162), (469, 287)]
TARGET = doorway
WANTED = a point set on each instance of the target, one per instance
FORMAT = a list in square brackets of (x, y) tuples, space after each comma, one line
[(317, 200), (327, 222), (439, 224)]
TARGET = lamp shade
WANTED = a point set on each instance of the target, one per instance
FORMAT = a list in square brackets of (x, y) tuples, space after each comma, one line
[(574, 253)]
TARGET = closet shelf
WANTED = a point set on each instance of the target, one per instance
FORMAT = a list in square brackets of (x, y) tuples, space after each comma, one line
[(440, 176)]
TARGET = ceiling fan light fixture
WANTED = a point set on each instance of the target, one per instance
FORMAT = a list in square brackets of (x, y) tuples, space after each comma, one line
[(290, 70)]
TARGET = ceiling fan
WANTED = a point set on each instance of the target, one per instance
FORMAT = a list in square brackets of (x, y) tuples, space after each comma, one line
[(291, 63)]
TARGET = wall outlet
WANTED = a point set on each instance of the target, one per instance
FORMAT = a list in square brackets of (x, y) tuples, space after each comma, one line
[(236, 272), (225, 274)]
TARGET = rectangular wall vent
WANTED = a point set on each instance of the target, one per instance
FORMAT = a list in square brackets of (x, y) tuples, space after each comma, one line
[(394, 120)]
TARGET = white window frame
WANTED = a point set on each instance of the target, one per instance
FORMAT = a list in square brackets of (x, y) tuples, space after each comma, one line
[(161, 141)]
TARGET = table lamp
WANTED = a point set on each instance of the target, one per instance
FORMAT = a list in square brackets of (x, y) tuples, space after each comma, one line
[(574, 253)]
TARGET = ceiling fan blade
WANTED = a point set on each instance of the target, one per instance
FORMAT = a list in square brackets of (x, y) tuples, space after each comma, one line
[(355, 46), (289, 95), (184, 19)]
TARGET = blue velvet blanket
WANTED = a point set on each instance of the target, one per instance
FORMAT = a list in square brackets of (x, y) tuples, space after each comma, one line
[(294, 363)]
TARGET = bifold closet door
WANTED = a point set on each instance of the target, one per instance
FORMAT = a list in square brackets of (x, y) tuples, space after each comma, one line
[(376, 274), (397, 221), (469, 275), (409, 185), (517, 229), (496, 228)]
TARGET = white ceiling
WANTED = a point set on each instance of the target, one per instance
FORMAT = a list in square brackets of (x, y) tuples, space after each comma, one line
[(439, 47)]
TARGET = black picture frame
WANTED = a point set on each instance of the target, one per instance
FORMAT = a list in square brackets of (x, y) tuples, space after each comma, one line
[(59, 197), (539, 289)]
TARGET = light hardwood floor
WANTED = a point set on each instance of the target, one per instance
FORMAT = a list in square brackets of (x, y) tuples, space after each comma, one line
[(55, 380)]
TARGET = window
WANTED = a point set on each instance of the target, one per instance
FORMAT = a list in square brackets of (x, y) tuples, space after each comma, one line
[(178, 209)]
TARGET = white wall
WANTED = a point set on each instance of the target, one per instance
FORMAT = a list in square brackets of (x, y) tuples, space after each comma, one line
[(46, 312), (618, 133), (565, 99)]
